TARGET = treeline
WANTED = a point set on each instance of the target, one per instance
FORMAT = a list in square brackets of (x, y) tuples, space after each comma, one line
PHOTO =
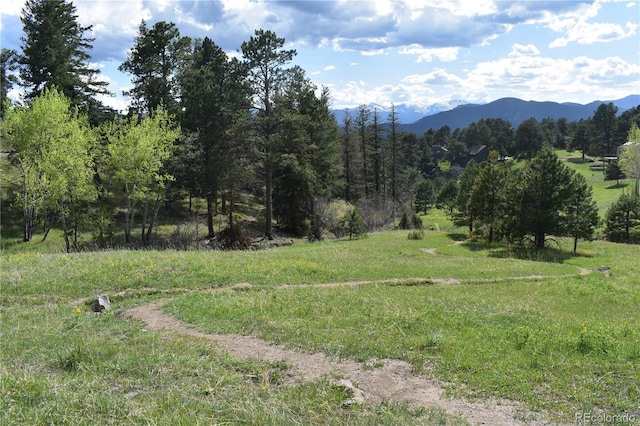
[(205, 125)]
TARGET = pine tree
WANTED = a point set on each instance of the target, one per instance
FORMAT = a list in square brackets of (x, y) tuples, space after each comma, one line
[(536, 199), (485, 200), (266, 60), (8, 64), (213, 94), (154, 62), (622, 223), (582, 212), (55, 53)]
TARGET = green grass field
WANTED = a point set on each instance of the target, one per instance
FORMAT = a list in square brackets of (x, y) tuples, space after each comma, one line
[(605, 192), (545, 329), (562, 343)]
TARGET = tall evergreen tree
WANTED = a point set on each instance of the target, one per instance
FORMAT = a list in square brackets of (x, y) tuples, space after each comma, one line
[(622, 223), (582, 212), (347, 155), (536, 198), (529, 139), (485, 201), (377, 154), (362, 122), (462, 213), (154, 61), (266, 58), (213, 94), (605, 121), (8, 64), (307, 156), (394, 151), (55, 52)]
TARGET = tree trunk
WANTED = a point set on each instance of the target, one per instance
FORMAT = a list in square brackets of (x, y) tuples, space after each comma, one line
[(128, 216), (539, 240), (64, 228), (210, 213), (231, 208), (154, 217), (268, 227)]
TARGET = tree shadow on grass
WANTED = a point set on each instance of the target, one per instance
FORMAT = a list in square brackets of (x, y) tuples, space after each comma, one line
[(457, 236), (618, 185), (549, 254)]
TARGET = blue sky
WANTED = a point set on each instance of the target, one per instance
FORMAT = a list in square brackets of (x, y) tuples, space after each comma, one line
[(417, 52)]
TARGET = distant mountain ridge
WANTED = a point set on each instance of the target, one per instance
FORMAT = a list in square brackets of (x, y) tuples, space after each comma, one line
[(406, 113), (459, 113), (513, 110)]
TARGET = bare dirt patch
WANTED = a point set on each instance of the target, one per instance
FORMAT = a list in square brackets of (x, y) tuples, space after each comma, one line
[(393, 380), (428, 250)]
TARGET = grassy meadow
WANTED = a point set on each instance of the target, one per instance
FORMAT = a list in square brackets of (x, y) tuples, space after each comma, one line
[(547, 329)]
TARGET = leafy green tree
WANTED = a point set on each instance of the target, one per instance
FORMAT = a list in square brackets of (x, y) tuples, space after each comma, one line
[(485, 198), (51, 146), (266, 59), (55, 54), (154, 61), (536, 198), (622, 223), (137, 150), (8, 64), (630, 157), (582, 211), (213, 95)]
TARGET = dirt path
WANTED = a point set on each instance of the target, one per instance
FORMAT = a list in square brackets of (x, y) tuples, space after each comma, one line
[(394, 380)]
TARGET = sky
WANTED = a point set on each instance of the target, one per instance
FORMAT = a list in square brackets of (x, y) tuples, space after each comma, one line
[(415, 52)]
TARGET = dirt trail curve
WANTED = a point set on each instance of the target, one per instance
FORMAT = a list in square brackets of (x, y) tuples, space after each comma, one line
[(394, 380)]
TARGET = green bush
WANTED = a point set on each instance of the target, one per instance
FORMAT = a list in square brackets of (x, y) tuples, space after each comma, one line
[(416, 235), (416, 221), (404, 221), (353, 224)]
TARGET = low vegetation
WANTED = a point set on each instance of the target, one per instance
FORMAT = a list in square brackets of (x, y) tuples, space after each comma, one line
[(521, 324)]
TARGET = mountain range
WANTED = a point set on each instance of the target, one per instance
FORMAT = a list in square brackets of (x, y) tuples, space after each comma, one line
[(459, 114)]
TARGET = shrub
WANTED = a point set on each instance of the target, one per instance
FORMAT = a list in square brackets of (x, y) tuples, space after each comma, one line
[(353, 224), (416, 221), (416, 235), (234, 239), (404, 221), (623, 219), (332, 218)]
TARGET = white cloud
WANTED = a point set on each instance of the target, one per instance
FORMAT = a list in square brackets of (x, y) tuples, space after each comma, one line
[(589, 33), (329, 68), (524, 50), (445, 54)]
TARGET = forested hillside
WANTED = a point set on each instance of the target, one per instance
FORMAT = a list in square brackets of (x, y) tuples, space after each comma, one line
[(206, 126)]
